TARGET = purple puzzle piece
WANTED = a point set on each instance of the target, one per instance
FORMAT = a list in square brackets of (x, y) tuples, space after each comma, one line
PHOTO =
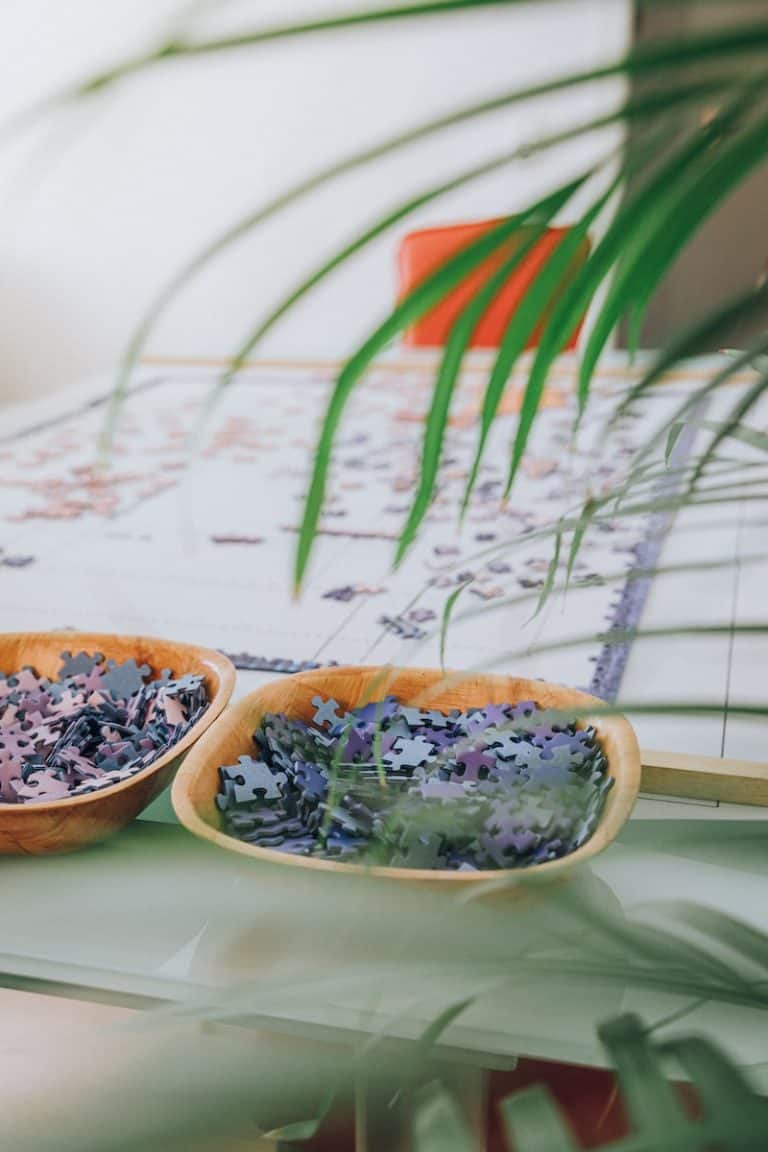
[(524, 710), (497, 715), (357, 744), (10, 771), (311, 782), (446, 738), (376, 711), (42, 785), (16, 743), (473, 765), (27, 680)]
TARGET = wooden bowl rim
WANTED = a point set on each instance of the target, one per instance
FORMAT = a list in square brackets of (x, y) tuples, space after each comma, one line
[(625, 769), (97, 641)]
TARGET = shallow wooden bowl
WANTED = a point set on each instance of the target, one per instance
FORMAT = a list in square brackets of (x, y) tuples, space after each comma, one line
[(61, 825), (196, 785)]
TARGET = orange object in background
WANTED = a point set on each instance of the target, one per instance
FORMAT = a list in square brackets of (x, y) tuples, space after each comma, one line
[(424, 251)]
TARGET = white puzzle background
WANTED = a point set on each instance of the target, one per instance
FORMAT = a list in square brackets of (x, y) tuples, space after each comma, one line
[(200, 547)]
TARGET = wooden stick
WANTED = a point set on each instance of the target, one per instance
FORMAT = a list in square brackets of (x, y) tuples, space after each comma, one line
[(704, 777)]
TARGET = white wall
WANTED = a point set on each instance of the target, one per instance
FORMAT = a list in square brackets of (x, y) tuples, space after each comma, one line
[(99, 206)]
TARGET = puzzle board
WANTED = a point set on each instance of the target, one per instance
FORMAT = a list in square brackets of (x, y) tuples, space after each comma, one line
[(197, 544)]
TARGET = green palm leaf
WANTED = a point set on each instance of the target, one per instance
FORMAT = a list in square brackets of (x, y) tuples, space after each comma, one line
[(677, 220), (629, 635), (693, 340), (653, 1107), (341, 257), (507, 602), (753, 437), (533, 1124), (360, 242), (448, 608), (734, 1116), (660, 195), (730, 42), (745, 941), (552, 280), (450, 366), (423, 298), (573, 304), (439, 1125), (636, 109), (581, 521), (731, 427), (669, 98), (629, 224)]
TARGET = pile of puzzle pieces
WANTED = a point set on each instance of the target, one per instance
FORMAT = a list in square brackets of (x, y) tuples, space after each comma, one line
[(96, 724), (489, 788)]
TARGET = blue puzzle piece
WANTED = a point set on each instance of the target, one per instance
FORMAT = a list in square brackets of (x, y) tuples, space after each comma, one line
[(311, 782)]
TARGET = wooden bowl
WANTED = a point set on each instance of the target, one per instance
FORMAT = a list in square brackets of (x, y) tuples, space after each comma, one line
[(196, 785), (61, 825)]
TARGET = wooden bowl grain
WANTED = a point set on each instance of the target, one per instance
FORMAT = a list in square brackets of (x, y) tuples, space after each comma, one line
[(196, 785), (63, 825)]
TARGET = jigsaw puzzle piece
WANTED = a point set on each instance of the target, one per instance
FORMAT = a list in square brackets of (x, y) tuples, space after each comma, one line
[(327, 713)]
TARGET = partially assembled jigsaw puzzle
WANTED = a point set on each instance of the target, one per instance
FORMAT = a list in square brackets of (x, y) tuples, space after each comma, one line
[(191, 534)]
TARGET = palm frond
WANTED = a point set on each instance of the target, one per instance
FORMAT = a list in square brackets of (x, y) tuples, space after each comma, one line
[(447, 615), (630, 635), (668, 434), (503, 604), (676, 96), (693, 340), (438, 1124), (453, 356), (729, 43), (533, 1124), (744, 940), (597, 512), (632, 225), (743, 433), (735, 1117), (678, 216), (423, 298), (732, 427), (550, 284)]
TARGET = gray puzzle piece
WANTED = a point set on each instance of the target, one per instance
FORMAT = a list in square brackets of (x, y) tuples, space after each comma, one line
[(252, 780), (327, 712), (408, 753), (79, 665), (123, 680)]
